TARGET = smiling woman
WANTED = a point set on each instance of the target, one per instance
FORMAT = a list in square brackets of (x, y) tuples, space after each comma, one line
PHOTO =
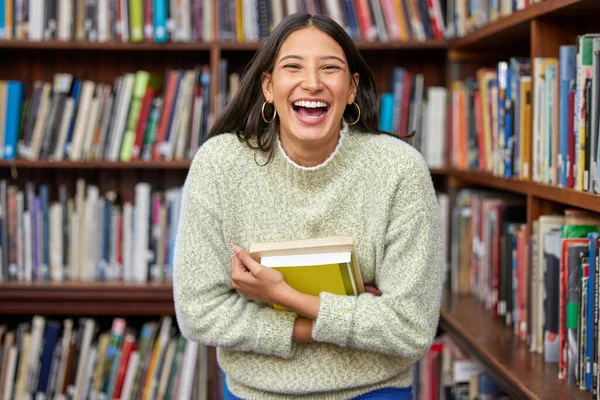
[(297, 154)]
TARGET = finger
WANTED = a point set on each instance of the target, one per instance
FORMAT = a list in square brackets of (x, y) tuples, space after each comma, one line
[(373, 290), (247, 260)]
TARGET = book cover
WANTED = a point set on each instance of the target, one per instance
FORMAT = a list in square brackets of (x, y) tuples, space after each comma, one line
[(313, 266)]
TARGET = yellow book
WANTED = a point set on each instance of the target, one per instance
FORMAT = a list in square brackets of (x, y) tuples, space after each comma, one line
[(313, 266)]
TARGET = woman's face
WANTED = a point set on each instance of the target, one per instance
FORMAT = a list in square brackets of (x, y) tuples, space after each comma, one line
[(310, 86)]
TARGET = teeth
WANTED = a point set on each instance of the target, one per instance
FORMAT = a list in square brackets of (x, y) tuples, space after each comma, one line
[(310, 104)]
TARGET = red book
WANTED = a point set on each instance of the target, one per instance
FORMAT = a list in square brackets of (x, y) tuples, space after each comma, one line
[(165, 118), (129, 347), (148, 21), (142, 123), (406, 90)]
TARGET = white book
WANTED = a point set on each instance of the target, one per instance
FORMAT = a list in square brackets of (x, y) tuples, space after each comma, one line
[(11, 368), (82, 120), (166, 369), (91, 227), (90, 131), (436, 127), (103, 20), (132, 367), (65, 20), (183, 132), (67, 115), (38, 130), (187, 370), (37, 19), (122, 107), (56, 242), (207, 21), (379, 22), (80, 205), (84, 355), (35, 351), (127, 242), (141, 221), (124, 20), (73, 270), (196, 126)]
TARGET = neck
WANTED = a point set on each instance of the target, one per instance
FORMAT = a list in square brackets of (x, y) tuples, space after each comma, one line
[(309, 154)]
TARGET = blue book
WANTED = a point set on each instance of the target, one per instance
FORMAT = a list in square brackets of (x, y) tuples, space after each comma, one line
[(568, 69), (14, 106), (591, 309), (160, 21), (2, 20), (508, 125), (77, 85), (386, 113), (351, 18), (50, 341)]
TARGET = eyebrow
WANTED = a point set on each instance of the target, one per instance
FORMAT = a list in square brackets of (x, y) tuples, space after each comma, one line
[(322, 58)]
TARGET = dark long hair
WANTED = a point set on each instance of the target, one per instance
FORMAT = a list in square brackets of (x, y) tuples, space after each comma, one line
[(243, 113)]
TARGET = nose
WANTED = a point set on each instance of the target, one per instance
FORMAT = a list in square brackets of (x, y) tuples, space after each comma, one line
[(312, 81)]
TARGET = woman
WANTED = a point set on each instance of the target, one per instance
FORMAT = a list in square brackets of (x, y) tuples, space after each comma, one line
[(297, 154)]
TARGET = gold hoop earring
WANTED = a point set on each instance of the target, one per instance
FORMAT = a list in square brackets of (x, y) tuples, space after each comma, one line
[(357, 118), (262, 112)]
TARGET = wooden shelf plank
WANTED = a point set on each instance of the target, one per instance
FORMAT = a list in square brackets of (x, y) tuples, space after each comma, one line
[(94, 298), (517, 24), (103, 46), (491, 181), (181, 164), (521, 374), (569, 197)]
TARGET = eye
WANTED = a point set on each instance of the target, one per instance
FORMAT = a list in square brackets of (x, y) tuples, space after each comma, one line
[(331, 67), (291, 66)]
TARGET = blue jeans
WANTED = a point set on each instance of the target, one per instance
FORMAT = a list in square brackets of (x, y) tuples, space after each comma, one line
[(381, 394)]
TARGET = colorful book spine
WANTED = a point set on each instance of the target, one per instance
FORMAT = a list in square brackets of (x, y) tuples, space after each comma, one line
[(568, 65)]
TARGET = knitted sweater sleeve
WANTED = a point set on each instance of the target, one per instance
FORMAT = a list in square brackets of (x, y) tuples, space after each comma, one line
[(208, 309), (403, 320)]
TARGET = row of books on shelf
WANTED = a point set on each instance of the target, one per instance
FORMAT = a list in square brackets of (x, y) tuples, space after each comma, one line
[(465, 17), (162, 21), (82, 358), (548, 107), (543, 283), (54, 234), (447, 373), (408, 106), (144, 117)]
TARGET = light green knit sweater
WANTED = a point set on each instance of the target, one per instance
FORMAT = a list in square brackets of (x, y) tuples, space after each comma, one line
[(374, 188)]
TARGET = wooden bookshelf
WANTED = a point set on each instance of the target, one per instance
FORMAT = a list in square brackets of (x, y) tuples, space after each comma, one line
[(536, 31), (522, 374), (517, 25), (94, 298)]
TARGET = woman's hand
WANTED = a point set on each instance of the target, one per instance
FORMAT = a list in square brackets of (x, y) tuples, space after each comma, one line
[(255, 281)]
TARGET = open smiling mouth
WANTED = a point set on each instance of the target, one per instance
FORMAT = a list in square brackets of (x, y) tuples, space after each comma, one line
[(310, 109)]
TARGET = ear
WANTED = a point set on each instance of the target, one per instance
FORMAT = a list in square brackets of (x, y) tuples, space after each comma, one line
[(353, 88), (267, 86)]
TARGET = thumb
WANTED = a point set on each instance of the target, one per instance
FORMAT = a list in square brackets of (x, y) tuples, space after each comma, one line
[(247, 260)]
